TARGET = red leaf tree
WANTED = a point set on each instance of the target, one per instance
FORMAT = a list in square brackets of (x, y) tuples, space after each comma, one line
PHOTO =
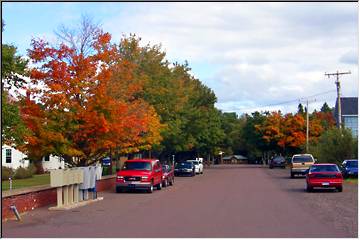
[(75, 110)]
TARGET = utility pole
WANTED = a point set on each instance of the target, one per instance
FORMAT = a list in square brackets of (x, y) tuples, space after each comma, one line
[(307, 122), (337, 82)]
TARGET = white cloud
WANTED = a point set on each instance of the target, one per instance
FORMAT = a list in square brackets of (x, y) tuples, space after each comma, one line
[(251, 54)]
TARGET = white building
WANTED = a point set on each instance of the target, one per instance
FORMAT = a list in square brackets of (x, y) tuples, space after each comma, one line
[(14, 158)]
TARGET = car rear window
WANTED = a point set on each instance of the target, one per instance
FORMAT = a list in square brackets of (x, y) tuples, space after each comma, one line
[(137, 166), (184, 165), (351, 164), (302, 159), (324, 168), (279, 159)]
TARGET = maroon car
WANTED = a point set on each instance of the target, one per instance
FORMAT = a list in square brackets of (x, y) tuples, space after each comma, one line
[(168, 175)]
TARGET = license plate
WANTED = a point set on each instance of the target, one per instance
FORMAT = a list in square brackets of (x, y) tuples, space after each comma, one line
[(325, 184)]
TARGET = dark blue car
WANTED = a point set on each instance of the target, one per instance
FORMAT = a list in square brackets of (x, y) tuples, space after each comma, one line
[(350, 168)]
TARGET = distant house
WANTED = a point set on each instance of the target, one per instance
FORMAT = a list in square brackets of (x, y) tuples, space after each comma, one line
[(13, 158), (349, 113), (234, 159)]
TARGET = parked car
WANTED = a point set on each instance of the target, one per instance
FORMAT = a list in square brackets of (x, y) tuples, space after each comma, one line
[(350, 168), (185, 168), (168, 175), (277, 161), (139, 174), (300, 163), (325, 175), (199, 167)]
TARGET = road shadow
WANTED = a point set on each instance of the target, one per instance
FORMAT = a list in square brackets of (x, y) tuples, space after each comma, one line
[(320, 190)]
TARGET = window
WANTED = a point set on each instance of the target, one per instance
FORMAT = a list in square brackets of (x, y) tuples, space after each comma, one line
[(352, 123), (47, 158), (8, 155)]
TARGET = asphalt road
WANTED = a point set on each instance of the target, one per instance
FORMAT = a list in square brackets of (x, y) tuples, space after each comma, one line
[(227, 201)]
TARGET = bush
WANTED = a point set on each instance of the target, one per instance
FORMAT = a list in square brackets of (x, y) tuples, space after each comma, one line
[(334, 146), (21, 173), (6, 172)]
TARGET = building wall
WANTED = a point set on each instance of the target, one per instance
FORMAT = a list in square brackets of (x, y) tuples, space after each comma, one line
[(54, 162), (17, 158)]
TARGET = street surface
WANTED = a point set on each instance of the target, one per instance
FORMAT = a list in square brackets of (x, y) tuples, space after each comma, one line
[(227, 201)]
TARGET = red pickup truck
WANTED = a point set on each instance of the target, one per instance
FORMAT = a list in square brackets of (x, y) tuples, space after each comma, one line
[(139, 174)]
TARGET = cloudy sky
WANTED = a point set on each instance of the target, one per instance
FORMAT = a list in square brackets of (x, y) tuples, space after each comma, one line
[(255, 56)]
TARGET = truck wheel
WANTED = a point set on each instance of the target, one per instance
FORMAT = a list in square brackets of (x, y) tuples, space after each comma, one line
[(151, 188), (158, 187)]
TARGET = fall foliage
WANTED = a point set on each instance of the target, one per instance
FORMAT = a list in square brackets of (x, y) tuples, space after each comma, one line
[(73, 111)]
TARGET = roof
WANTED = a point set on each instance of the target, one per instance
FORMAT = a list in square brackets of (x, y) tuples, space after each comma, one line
[(238, 157), (349, 106)]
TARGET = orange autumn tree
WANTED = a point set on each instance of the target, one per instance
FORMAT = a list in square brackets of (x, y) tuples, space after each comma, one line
[(72, 112), (270, 129), (293, 132)]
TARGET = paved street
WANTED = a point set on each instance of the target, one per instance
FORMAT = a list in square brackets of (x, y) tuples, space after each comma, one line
[(227, 201)]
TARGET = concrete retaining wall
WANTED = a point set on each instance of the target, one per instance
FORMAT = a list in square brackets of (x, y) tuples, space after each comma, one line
[(28, 199)]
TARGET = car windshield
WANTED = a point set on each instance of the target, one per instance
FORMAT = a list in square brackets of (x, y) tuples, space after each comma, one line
[(302, 159), (184, 165), (351, 164), (137, 166), (324, 168)]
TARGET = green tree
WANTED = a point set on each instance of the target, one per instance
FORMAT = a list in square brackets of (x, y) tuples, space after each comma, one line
[(300, 109), (13, 128), (13, 66), (325, 108), (335, 145)]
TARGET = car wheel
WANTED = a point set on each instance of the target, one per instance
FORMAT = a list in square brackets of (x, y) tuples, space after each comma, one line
[(308, 188), (271, 167), (151, 188), (119, 190), (292, 175), (283, 167), (340, 189), (202, 172), (165, 183)]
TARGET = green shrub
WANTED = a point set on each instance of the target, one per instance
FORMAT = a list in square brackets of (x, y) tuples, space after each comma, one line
[(6, 172), (21, 173)]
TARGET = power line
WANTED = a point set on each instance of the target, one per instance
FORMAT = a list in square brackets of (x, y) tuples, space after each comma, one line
[(289, 101)]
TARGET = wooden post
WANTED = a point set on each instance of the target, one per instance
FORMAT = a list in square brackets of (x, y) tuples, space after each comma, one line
[(71, 194), (59, 196), (66, 195), (76, 193)]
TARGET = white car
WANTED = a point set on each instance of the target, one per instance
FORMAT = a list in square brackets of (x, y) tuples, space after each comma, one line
[(199, 167)]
